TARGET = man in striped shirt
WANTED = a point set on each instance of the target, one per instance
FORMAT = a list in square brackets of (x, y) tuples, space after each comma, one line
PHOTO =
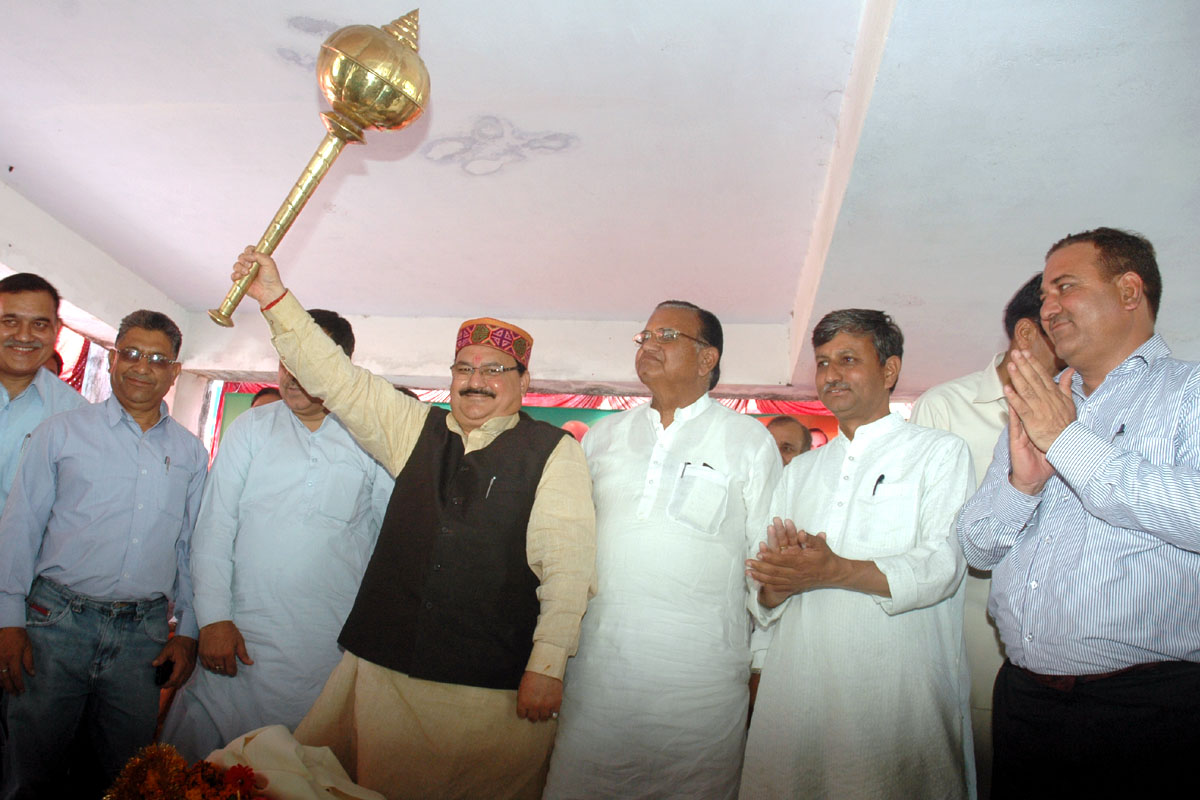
[(1090, 523)]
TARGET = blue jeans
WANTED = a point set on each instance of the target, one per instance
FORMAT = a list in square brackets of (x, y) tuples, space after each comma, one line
[(94, 676)]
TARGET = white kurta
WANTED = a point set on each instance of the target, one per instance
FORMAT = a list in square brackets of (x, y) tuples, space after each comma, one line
[(863, 696), (286, 527), (655, 701)]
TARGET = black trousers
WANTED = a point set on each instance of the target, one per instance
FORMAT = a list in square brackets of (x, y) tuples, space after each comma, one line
[(1135, 734)]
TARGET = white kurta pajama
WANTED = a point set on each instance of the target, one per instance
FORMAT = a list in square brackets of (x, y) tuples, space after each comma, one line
[(288, 522), (654, 704), (865, 696)]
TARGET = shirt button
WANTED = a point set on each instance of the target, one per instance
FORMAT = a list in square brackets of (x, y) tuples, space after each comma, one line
[(845, 477), (850, 457), (840, 504), (437, 566), (1048, 539), (1029, 637), (1033, 584), (139, 506), (310, 483), (143, 472), (135, 541), (428, 604)]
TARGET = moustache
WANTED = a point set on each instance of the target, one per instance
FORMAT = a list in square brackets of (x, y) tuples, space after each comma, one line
[(479, 392), (13, 341), (834, 385)]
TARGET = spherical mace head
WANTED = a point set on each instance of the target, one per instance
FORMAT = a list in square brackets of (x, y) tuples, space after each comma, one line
[(374, 77)]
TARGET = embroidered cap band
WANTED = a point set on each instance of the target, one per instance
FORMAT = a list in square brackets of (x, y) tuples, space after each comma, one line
[(494, 333)]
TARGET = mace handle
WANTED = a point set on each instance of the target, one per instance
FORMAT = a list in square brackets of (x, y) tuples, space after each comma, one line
[(330, 148)]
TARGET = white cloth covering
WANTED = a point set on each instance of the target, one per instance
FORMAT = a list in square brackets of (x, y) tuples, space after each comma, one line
[(288, 521), (863, 696), (655, 701), (291, 770)]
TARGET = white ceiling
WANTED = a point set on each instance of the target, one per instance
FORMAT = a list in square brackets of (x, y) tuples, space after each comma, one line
[(578, 162)]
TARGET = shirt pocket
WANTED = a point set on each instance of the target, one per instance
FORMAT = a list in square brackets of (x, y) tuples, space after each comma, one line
[(341, 493), (888, 525), (699, 498), (173, 497)]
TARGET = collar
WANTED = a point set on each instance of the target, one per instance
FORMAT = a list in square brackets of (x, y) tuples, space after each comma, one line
[(688, 412), (990, 389), (38, 383), (871, 431), (492, 427), (1138, 361), (114, 413)]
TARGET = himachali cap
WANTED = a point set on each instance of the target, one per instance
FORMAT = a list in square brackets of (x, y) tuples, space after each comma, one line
[(494, 333)]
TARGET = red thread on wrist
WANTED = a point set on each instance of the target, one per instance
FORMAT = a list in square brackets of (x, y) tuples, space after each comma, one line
[(271, 304)]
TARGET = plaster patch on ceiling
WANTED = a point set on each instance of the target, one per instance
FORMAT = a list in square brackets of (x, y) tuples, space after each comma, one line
[(492, 143), (308, 25), (306, 62), (317, 27)]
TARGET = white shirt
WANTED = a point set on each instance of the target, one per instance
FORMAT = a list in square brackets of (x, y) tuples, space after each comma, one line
[(655, 701), (289, 519), (865, 696), (972, 407)]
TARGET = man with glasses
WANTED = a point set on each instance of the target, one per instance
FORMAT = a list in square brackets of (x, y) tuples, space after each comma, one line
[(656, 699), (470, 605), (95, 537)]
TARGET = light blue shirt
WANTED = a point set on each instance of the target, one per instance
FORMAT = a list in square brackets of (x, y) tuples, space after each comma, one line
[(104, 509), (288, 523), (1101, 569), (44, 397), (288, 513)]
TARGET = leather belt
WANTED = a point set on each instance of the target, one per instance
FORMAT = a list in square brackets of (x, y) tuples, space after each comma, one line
[(1065, 683)]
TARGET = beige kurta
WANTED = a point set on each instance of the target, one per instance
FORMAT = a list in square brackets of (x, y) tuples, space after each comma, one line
[(410, 738)]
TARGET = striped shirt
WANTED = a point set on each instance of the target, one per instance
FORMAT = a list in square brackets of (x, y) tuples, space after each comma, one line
[(1101, 569)]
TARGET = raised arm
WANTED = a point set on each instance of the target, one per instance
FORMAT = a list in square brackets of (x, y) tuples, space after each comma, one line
[(385, 422)]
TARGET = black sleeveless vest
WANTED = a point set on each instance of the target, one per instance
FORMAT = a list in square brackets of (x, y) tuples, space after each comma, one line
[(448, 594)]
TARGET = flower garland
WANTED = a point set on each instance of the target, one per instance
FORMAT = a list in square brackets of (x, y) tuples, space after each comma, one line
[(159, 772)]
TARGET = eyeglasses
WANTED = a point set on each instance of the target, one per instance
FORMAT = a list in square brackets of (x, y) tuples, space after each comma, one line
[(488, 371), (157, 361), (664, 335)]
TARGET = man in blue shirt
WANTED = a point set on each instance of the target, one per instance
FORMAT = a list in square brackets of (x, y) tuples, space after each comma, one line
[(29, 326), (290, 516), (1089, 518), (95, 537)]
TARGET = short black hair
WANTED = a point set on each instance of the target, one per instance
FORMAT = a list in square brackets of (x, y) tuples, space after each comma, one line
[(336, 326), (884, 332), (1025, 304), (152, 321), (710, 332), (266, 391), (1121, 252), (29, 282)]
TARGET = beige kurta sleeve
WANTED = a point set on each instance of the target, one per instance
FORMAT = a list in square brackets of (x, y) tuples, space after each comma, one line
[(560, 544), (384, 421)]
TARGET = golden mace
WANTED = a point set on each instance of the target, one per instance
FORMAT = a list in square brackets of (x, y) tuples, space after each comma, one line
[(373, 78)]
